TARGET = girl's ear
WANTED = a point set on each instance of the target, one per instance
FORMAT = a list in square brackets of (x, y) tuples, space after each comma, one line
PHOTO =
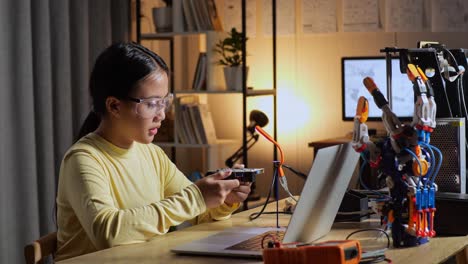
[(113, 106)]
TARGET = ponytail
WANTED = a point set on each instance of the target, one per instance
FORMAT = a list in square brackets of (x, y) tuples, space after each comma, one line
[(90, 124)]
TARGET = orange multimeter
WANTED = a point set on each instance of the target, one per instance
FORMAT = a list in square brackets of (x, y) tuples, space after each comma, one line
[(331, 252)]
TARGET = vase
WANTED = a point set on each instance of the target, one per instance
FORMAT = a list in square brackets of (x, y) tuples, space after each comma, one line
[(233, 78), (162, 18)]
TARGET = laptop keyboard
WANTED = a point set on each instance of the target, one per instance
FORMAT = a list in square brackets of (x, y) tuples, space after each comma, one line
[(255, 243)]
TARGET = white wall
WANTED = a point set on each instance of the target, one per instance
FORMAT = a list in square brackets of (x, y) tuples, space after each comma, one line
[(309, 85)]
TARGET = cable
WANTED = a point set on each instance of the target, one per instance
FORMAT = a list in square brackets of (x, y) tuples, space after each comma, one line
[(432, 169), (439, 163), (446, 97), (256, 215), (453, 58), (419, 163), (269, 138), (433, 160), (463, 96), (275, 240), (284, 184), (465, 114), (301, 174), (361, 169), (282, 177), (371, 229)]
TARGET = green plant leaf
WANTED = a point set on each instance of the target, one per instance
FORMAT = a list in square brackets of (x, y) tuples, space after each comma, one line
[(230, 48)]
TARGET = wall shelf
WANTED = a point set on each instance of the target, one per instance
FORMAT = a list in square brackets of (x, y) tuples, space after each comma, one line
[(212, 71)]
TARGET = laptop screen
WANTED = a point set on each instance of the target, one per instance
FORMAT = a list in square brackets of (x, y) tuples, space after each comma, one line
[(322, 193)]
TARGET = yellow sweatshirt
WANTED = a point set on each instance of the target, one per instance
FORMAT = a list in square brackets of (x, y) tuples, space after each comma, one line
[(109, 196)]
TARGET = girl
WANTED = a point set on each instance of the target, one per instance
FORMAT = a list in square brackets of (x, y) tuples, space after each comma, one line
[(115, 187)]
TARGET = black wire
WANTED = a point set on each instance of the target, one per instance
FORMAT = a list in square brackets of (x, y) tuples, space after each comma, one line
[(256, 215), (446, 97), (459, 97), (446, 51), (453, 58), (377, 258), (371, 229), (465, 112), (298, 173)]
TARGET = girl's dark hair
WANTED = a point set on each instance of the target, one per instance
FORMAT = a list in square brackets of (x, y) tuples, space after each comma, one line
[(116, 73)]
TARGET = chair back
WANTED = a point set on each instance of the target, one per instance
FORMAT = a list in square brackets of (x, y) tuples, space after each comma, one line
[(40, 249)]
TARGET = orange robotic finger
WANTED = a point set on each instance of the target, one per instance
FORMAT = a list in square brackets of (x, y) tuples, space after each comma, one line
[(362, 109)]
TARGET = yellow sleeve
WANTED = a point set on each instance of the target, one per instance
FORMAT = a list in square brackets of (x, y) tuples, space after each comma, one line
[(222, 212), (176, 180), (89, 193)]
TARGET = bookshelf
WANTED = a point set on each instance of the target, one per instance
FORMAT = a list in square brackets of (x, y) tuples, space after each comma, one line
[(214, 75)]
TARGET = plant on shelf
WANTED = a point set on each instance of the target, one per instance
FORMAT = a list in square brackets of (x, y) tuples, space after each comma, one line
[(230, 50)]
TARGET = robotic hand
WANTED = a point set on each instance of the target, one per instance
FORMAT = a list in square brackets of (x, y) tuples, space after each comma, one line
[(391, 122), (361, 141), (407, 160), (424, 117), (360, 132)]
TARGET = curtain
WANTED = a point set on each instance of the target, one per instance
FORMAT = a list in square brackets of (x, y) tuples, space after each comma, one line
[(47, 49)]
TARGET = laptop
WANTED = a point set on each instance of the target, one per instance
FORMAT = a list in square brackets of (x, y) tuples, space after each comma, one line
[(312, 219)]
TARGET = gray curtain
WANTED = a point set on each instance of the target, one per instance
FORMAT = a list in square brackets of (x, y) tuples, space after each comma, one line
[(47, 48)]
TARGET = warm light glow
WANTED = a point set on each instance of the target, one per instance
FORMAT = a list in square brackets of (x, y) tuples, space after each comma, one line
[(293, 112)]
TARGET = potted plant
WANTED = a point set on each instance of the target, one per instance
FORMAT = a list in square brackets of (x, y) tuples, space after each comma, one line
[(162, 17), (230, 49)]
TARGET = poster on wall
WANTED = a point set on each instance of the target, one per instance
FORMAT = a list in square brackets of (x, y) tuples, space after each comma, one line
[(318, 16), (285, 17), (449, 15), (361, 15), (405, 16)]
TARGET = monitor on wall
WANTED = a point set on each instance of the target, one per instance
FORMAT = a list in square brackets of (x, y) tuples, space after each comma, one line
[(355, 69)]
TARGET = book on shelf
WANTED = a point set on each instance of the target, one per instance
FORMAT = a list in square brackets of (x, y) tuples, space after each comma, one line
[(184, 130), (194, 121), (199, 79), (207, 123), (195, 15), (204, 14), (178, 16), (189, 124), (188, 16), (194, 113)]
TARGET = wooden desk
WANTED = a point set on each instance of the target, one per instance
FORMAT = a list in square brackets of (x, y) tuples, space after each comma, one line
[(158, 249)]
